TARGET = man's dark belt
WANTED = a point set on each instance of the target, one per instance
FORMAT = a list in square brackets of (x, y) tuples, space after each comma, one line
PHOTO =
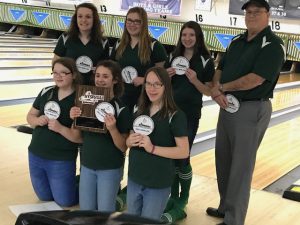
[(254, 99)]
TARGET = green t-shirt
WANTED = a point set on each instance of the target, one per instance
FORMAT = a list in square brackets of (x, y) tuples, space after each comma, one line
[(186, 95), (98, 150), (130, 57), (86, 56), (49, 144), (154, 171), (264, 55)]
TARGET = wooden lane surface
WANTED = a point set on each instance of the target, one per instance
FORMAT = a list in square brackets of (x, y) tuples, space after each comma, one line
[(14, 115), (33, 44), (28, 41), (264, 208), (25, 45), (285, 78), (25, 74), (278, 154), (19, 91), (12, 38), (15, 181), (12, 55), (24, 63), (25, 49), (282, 99)]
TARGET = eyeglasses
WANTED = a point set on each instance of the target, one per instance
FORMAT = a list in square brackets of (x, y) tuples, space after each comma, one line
[(135, 22), (154, 85), (254, 13), (61, 74)]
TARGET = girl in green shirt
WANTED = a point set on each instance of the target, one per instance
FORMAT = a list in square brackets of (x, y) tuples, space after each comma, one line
[(102, 157), (188, 86), (158, 136)]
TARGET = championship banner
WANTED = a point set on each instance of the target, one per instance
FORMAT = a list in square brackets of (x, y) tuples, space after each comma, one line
[(166, 7), (278, 8)]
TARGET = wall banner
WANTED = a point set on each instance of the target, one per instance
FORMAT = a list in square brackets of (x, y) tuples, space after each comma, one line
[(278, 8), (164, 7)]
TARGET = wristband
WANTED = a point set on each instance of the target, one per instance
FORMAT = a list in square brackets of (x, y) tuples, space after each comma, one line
[(152, 150)]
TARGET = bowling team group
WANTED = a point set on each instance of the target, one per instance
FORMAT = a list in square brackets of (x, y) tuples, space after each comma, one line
[(153, 116)]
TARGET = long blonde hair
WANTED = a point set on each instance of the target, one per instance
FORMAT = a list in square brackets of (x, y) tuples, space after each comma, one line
[(144, 37)]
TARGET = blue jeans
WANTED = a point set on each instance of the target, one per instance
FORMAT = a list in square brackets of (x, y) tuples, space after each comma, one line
[(146, 202), (98, 189), (54, 180)]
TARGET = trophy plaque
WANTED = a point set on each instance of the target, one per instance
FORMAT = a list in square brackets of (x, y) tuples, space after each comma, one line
[(87, 99)]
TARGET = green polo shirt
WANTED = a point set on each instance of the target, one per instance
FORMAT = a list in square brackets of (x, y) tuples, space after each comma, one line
[(98, 150), (74, 48), (130, 57), (264, 55), (154, 171), (186, 95), (49, 144)]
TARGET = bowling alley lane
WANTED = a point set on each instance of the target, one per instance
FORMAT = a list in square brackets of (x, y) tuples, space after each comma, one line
[(278, 154), (25, 55), (25, 49), (282, 99), (25, 63), (8, 75), (21, 91)]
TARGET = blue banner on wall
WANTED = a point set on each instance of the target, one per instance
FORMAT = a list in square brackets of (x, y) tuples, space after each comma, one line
[(157, 31), (17, 13), (40, 16), (297, 44), (224, 39), (66, 20), (165, 7)]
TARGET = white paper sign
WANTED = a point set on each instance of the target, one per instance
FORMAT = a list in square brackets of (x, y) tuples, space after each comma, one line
[(18, 209)]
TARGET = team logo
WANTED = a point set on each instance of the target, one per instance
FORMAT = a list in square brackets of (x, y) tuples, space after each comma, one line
[(180, 64), (102, 109), (84, 64), (233, 104), (52, 110), (128, 74), (90, 99), (143, 125)]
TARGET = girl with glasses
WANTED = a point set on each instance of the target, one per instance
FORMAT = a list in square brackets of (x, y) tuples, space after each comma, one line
[(151, 166), (102, 157), (84, 41), (136, 52), (53, 147), (188, 85)]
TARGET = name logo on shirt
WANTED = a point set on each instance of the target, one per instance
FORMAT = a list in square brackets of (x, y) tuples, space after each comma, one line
[(143, 124), (90, 99), (52, 110), (102, 109), (180, 64), (84, 64)]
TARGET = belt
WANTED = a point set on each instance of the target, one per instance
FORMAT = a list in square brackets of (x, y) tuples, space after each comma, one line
[(254, 99)]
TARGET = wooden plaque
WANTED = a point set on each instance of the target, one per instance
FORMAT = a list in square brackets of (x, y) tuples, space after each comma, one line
[(87, 99)]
